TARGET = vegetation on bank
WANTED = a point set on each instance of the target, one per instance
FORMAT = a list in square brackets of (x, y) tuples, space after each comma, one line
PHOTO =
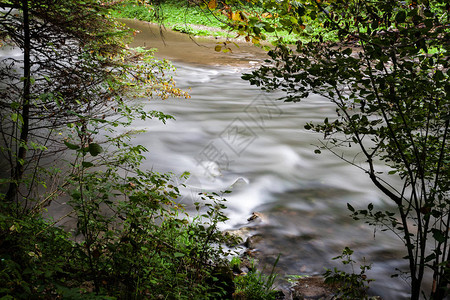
[(210, 19), (176, 15), (388, 77), (63, 97)]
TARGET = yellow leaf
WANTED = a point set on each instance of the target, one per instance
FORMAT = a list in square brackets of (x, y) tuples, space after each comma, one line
[(236, 16), (242, 16), (212, 4), (218, 48)]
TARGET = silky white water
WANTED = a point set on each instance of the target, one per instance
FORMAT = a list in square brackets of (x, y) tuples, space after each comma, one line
[(231, 135)]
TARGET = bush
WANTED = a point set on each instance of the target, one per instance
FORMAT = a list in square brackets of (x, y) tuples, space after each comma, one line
[(349, 285), (255, 285), (35, 257), (140, 247)]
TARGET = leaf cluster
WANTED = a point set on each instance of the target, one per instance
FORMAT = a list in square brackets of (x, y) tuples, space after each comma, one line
[(388, 77), (131, 240), (77, 68), (68, 89), (255, 284), (349, 285)]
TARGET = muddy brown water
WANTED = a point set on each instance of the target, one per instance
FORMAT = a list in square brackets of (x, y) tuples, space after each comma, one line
[(182, 48), (231, 135)]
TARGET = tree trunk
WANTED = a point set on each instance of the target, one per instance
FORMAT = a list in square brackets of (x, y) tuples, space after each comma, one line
[(17, 172), (415, 289)]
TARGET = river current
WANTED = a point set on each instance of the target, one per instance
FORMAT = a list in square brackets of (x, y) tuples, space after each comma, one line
[(231, 135)]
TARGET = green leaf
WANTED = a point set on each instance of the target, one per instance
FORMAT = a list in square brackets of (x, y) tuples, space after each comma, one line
[(178, 254), (95, 149), (269, 28), (14, 117), (438, 235), (347, 51), (439, 75), (87, 164), (430, 257), (247, 76), (400, 17), (379, 66), (71, 146), (350, 208)]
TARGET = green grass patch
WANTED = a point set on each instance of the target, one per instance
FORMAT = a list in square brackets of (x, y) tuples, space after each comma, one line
[(178, 16), (183, 17)]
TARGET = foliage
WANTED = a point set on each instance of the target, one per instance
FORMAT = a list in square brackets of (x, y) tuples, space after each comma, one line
[(134, 248), (136, 243), (255, 285), (388, 77), (349, 285), (68, 89), (75, 68), (270, 21), (33, 255)]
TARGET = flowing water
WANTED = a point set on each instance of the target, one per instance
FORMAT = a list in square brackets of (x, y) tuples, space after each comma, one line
[(231, 135)]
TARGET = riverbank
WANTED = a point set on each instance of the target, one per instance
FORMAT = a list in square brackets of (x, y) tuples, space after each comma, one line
[(299, 286), (184, 18), (179, 47), (191, 19)]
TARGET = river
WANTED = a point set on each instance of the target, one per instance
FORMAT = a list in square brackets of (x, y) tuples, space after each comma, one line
[(231, 135)]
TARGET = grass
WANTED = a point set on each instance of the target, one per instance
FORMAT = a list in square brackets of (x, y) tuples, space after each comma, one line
[(185, 18), (255, 285), (178, 16)]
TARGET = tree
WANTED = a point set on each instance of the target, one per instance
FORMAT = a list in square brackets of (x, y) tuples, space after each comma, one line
[(385, 66), (67, 89), (74, 68)]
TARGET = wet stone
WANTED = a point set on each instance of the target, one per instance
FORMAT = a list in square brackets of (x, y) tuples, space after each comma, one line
[(312, 288), (252, 241)]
